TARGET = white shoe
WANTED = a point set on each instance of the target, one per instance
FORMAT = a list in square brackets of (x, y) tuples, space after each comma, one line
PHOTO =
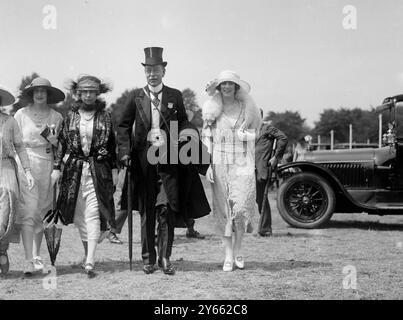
[(28, 267), (38, 263), (228, 265), (240, 262), (89, 270)]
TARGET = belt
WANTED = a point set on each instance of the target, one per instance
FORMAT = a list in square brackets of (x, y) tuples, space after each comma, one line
[(80, 157)]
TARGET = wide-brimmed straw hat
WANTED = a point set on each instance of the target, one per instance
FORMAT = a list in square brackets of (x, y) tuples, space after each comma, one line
[(224, 76), (6, 98), (55, 95)]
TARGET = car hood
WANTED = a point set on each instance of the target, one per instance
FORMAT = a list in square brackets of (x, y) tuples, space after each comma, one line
[(379, 156)]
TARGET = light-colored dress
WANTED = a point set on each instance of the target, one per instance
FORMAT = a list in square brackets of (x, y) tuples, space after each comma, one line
[(35, 203), (86, 216), (10, 145), (233, 190)]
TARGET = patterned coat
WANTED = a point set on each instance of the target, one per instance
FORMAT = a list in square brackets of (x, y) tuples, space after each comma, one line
[(102, 159)]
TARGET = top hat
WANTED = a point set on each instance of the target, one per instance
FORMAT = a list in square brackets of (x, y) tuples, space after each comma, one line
[(55, 95), (6, 98), (153, 56)]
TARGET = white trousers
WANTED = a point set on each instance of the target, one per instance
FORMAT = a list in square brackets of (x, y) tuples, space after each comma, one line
[(86, 216)]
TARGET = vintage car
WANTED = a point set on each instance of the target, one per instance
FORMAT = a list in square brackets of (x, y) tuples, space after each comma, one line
[(322, 182)]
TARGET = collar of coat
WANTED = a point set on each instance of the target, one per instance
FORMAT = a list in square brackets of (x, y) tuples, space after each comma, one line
[(99, 105), (143, 103)]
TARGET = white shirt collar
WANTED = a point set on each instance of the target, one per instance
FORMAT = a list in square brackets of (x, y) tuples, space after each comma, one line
[(157, 88)]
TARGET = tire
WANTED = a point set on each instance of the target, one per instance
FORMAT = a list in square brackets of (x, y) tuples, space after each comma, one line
[(306, 200)]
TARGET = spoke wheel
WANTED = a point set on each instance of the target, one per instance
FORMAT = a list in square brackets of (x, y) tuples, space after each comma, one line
[(306, 200)]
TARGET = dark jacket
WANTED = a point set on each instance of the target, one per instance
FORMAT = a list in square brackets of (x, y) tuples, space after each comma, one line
[(102, 159), (193, 200), (138, 111), (264, 147)]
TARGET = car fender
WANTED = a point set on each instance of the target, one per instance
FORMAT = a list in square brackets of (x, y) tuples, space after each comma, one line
[(326, 174)]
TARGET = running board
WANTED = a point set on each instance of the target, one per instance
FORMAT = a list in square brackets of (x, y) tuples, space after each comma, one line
[(389, 206)]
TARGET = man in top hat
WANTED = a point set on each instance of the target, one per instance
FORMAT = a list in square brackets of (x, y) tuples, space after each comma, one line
[(156, 110)]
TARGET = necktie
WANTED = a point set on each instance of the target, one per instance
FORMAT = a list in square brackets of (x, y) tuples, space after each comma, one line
[(156, 101)]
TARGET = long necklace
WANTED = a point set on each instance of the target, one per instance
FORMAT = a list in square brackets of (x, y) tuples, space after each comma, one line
[(239, 116), (39, 117)]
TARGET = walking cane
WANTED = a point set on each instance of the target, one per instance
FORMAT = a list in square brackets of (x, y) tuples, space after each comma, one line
[(129, 213)]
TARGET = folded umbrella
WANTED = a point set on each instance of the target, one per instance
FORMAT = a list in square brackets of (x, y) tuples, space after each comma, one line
[(52, 229)]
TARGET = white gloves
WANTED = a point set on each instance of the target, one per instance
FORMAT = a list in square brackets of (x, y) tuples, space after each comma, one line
[(210, 175), (30, 179)]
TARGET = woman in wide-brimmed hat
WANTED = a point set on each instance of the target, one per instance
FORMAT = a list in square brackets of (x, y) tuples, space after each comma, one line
[(230, 121), (87, 184), (39, 125), (10, 140)]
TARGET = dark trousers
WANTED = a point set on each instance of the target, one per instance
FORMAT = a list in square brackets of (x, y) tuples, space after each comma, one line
[(120, 218), (158, 210), (165, 234), (265, 217), (190, 223)]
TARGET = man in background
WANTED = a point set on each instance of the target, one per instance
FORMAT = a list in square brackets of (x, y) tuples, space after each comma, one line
[(266, 161)]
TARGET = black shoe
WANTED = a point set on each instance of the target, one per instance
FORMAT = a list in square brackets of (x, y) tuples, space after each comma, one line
[(265, 234), (148, 268), (194, 234), (166, 266), (4, 262), (113, 238)]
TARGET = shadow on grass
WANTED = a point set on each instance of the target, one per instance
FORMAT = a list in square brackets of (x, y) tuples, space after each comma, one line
[(295, 235), (364, 225), (196, 266), (181, 239), (114, 266)]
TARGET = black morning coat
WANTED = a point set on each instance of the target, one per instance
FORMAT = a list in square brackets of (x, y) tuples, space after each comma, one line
[(138, 111)]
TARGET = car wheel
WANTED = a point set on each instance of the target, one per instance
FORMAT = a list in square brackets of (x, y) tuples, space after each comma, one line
[(306, 200)]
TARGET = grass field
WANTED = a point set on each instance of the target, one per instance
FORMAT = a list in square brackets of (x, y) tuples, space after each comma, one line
[(355, 257)]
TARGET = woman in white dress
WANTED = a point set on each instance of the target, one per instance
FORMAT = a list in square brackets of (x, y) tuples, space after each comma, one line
[(39, 125), (10, 145), (230, 121)]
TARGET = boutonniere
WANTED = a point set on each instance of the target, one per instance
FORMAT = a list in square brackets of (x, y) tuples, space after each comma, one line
[(170, 105)]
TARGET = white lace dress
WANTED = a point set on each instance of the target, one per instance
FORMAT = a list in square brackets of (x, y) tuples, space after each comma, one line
[(233, 190)]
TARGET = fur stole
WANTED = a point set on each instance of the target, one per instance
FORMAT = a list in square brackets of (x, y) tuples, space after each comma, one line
[(213, 108)]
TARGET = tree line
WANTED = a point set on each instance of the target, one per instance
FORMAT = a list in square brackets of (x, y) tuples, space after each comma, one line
[(364, 121)]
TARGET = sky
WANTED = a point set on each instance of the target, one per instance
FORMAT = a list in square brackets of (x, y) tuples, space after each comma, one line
[(297, 55)]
